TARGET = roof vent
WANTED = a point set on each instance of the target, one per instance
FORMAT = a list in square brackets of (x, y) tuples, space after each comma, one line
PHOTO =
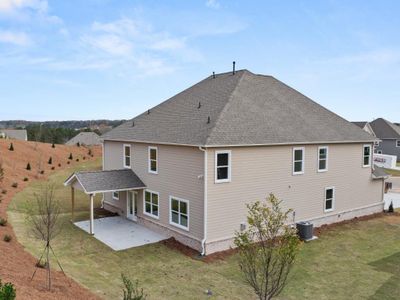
[(233, 70), (148, 112), (208, 120), (199, 105), (133, 123), (214, 75)]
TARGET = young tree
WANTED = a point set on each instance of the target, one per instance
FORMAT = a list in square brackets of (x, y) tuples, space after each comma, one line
[(28, 166), (131, 290), (45, 224), (11, 148), (267, 249), (7, 291), (50, 160)]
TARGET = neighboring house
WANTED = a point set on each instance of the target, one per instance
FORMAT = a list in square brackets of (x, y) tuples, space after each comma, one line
[(189, 166), (365, 126), (85, 138), (389, 134), (14, 134)]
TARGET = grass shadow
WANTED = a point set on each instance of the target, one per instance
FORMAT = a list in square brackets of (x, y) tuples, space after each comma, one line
[(391, 288)]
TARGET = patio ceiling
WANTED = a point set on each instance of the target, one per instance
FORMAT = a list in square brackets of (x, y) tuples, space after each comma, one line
[(105, 181)]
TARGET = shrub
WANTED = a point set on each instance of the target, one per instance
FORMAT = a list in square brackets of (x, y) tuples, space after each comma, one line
[(77, 159), (11, 148), (84, 157), (67, 162), (131, 290), (41, 172), (14, 185), (50, 160), (53, 145), (7, 238), (70, 157), (26, 179), (4, 192), (41, 264), (28, 166), (391, 209), (78, 144), (90, 152), (52, 168), (3, 222), (7, 291), (59, 165)]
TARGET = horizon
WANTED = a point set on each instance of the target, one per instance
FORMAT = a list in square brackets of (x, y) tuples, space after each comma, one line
[(112, 60)]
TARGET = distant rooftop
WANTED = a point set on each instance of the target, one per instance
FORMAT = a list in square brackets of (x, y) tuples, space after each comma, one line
[(16, 134)]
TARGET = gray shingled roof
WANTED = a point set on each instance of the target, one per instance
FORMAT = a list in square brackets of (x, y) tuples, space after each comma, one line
[(384, 129), (360, 124), (17, 134), (239, 109), (101, 181), (85, 138)]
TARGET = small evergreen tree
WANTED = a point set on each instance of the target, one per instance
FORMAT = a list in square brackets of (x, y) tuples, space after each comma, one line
[(28, 166), (78, 144), (131, 290), (7, 291), (391, 209), (11, 148), (50, 160), (70, 156), (53, 145)]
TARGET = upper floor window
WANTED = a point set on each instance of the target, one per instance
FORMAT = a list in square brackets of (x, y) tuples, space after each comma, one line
[(298, 160), (366, 155), (329, 199), (153, 160), (223, 166), (127, 156), (322, 159), (398, 143)]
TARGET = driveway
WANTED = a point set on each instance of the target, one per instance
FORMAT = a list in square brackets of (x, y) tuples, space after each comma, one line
[(119, 233)]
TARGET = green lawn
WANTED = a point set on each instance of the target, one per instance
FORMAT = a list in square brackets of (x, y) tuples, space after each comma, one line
[(355, 261)]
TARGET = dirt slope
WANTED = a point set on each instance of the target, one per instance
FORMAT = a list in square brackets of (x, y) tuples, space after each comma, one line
[(17, 265)]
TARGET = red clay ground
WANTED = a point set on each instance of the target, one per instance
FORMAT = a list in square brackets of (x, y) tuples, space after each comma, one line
[(17, 265)]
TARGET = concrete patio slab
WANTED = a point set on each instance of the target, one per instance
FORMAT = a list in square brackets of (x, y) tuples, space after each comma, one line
[(119, 233)]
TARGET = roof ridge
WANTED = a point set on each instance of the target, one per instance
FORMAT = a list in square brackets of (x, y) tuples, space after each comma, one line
[(99, 171), (225, 107), (392, 126)]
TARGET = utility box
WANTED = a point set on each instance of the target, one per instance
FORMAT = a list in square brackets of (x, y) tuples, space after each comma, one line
[(305, 230)]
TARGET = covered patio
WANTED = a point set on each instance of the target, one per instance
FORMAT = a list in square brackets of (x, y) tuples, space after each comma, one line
[(94, 182), (119, 233)]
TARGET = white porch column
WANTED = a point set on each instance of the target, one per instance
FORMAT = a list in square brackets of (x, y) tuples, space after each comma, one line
[(91, 215)]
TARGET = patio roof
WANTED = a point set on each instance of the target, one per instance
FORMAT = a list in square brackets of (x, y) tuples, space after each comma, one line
[(93, 182), (379, 173)]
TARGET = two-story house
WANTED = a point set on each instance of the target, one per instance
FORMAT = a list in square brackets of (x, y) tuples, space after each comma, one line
[(188, 167)]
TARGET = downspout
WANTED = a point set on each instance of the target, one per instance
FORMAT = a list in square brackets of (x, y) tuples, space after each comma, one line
[(203, 241)]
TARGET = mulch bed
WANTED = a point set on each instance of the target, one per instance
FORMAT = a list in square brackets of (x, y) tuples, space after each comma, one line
[(222, 255)]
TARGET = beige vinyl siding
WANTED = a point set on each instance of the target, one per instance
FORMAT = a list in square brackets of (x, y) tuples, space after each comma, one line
[(258, 171), (179, 175)]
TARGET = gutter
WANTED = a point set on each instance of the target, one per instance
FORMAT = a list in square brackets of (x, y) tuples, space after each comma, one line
[(203, 241)]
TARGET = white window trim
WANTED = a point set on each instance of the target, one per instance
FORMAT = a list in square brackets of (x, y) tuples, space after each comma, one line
[(327, 159), (229, 152), (333, 198), (149, 160), (303, 160), (370, 155), (144, 204), (397, 143), (123, 156), (170, 213), (113, 195)]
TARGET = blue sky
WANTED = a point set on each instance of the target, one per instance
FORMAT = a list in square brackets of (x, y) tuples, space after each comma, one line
[(115, 59)]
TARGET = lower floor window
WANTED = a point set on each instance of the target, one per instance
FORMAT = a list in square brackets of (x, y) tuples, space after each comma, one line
[(116, 195), (151, 203), (179, 214), (329, 199)]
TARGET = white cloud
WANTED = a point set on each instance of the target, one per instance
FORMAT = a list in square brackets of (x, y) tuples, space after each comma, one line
[(213, 4), (109, 43), (10, 6), (15, 38), (168, 44)]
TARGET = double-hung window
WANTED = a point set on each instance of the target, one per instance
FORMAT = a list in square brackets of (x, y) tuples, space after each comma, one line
[(298, 161), (179, 212), (151, 204), (222, 166), (329, 199), (322, 159), (115, 195), (153, 160), (366, 155), (398, 143), (127, 156)]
